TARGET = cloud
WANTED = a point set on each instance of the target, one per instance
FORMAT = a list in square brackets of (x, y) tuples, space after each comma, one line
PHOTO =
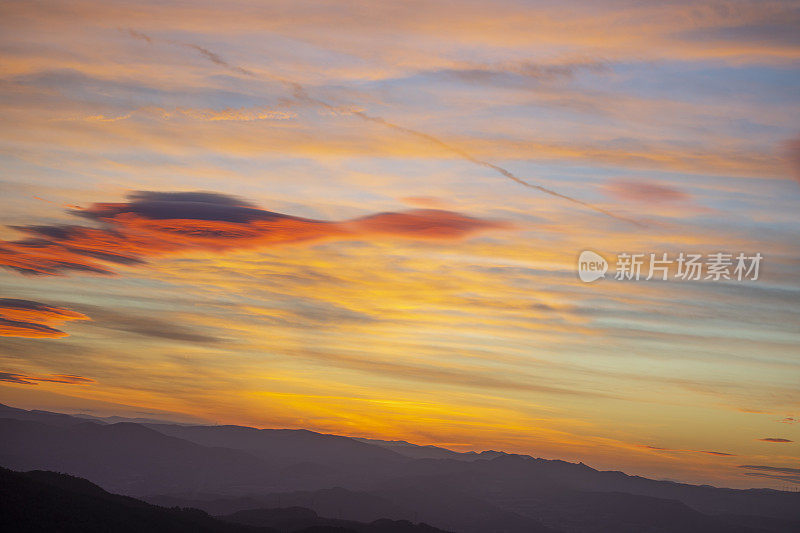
[(789, 420), (707, 452), (214, 58), (300, 94), (645, 192), (205, 52), (752, 411), (791, 151), (148, 326), (14, 308), (158, 223), (26, 318), (791, 475), (774, 439), (781, 469), (425, 201), (731, 32), (445, 376), (18, 328), (525, 70), (21, 379), (228, 114), (138, 35), (716, 453)]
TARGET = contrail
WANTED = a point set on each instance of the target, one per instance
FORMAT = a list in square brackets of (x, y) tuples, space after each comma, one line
[(205, 52), (214, 58), (300, 94)]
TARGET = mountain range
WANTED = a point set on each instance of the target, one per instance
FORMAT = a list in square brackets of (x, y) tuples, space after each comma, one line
[(39, 501), (248, 477)]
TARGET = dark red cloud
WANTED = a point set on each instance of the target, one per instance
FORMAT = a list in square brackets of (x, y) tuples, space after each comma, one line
[(774, 439), (639, 191), (26, 318), (21, 379), (155, 223)]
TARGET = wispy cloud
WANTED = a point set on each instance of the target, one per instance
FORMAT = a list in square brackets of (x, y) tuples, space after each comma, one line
[(781, 473), (791, 150), (428, 202), (27, 318), (780, 469), (524, 70), (445, 375), (22, 379), (707, 452), (645, 192), (300, 93), (148, 326), (205, 115)]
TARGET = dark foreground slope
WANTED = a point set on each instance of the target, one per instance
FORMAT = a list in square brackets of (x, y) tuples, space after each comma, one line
[(42, 501)]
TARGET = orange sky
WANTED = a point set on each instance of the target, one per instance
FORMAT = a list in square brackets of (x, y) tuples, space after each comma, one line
[(366, 263)]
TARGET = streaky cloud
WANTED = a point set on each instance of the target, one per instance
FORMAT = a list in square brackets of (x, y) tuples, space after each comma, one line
[(781, 473), (302, 95), (707, 452), (791, 151), (644, 192), (500, 73), (147, 326), (21, 379), (27, 318), (781, 469)]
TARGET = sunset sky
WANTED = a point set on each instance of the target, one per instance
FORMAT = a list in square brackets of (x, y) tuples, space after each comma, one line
[(310, 215)]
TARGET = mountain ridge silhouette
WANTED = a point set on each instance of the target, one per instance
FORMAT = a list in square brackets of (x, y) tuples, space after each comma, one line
[(228, 469)]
